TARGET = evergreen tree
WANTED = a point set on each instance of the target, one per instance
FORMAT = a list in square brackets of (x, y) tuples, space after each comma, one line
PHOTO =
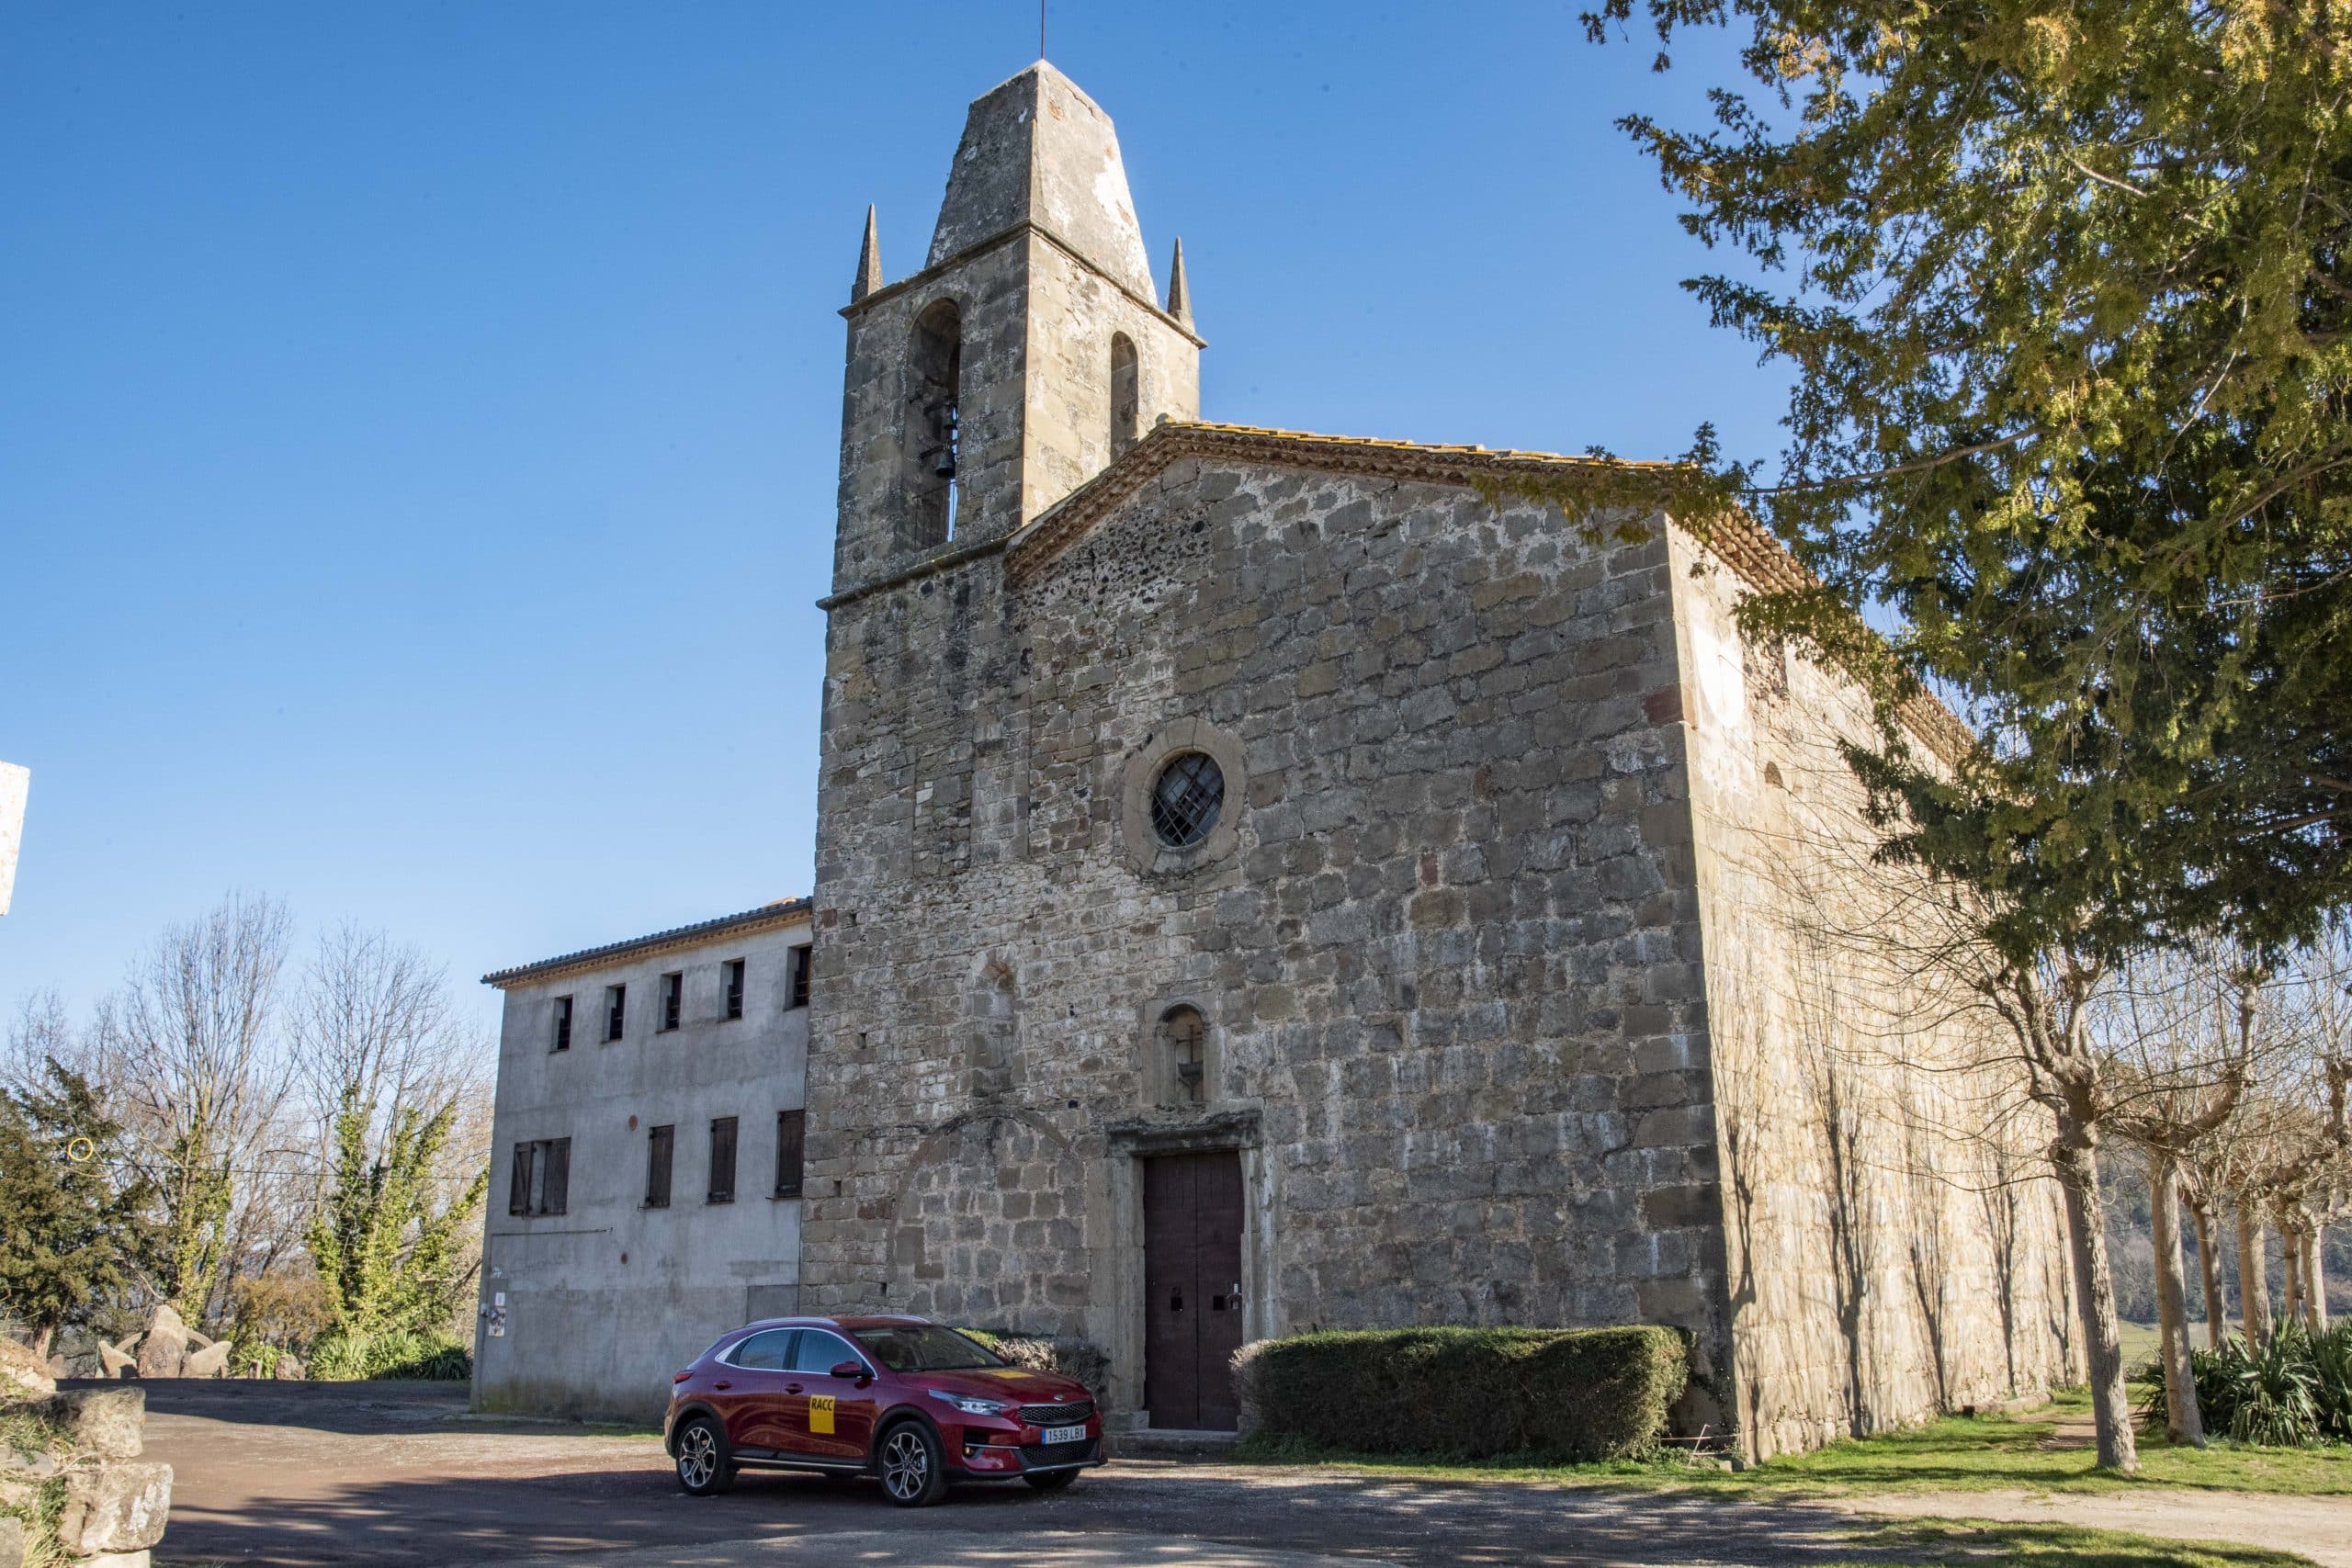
[(74, 1229), (391, 1254)]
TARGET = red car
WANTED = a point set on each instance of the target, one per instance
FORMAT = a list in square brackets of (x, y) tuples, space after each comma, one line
[(901, 1399)]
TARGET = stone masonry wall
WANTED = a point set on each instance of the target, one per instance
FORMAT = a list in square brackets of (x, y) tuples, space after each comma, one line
[(1894, 1245), (1449, 966)]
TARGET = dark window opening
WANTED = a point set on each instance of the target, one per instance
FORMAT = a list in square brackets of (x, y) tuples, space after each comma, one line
[(730, 981), (791, 1138), (658, 1151), (1127, 394), (541, 1179), (674, 1001), (563, 1023), (722, 1160), (615, 1010), (1186, 799), (935, 425), (799, 987)]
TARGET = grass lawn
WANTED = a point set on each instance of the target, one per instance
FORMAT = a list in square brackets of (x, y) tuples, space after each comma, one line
[(1969, 1542), (1955, 1453)]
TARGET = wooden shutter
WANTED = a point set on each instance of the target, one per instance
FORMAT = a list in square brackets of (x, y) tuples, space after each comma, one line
[(657, 1167), (791, 1135), (722, 1160), (558, 1177), (518, 1183)]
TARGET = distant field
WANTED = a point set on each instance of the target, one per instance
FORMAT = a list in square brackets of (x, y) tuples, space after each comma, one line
[(2140, 1344)]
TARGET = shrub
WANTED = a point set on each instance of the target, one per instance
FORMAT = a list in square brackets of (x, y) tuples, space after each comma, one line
[(2295, 1391), (1574, 1394), (399, 1354)]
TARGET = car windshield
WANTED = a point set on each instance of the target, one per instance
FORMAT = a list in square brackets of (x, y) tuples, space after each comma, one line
[(925, 1347)]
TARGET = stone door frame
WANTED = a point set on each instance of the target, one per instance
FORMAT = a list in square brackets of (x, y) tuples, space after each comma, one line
[(1130, 1144)]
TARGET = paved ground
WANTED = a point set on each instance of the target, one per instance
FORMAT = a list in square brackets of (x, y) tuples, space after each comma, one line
[(301, 1475)]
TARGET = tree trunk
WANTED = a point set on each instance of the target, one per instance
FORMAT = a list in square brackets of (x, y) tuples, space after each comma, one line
[(2290, 1268), (2314, 1280), (2217, 1323), (40, 1341), (2253, 1282), (2183, 1423), (2075, 1154)]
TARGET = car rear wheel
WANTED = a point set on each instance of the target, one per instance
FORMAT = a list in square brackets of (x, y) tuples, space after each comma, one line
[(703, 1467), (913, 1472), (1051, 1480)]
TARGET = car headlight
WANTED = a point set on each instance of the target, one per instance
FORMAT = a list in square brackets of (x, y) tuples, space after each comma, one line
[(970, 1405)]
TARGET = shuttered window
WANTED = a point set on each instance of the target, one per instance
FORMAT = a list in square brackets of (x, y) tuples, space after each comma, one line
[(799, 987), (791, 1134), (539, 1181), (722, 1160), (658, 1155)]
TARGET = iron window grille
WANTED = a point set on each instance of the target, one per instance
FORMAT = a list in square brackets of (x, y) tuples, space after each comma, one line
[(1186, 799)]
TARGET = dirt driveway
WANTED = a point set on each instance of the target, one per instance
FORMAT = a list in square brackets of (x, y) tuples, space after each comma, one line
[(308, 1475), (331, 1473)]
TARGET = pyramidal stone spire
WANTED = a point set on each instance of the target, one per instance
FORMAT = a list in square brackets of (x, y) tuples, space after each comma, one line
[(869, 260), (1036, 150), (1180, 294)]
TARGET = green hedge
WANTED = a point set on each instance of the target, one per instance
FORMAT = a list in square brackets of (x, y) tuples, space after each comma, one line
[(1566, 1393)]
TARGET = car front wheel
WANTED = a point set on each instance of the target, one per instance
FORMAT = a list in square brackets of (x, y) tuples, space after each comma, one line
[(913, 1471), (703, 1469)]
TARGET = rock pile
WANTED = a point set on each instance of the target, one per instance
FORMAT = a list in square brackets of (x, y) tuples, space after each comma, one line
[(169, 1348), (71, 1483)]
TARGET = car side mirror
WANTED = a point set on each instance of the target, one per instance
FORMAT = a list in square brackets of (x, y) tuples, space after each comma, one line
[(854, 1370)]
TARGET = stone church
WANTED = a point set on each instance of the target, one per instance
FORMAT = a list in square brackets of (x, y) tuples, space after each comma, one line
[(1268, 881)]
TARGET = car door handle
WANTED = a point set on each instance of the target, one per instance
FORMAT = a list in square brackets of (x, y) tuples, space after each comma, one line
[(722, 1385), (792, 1388)]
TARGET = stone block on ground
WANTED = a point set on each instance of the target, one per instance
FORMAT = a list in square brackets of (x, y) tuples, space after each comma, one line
[(23, 1372), (117, 1508), (163, 1351), (12, 1543), (104, 1423), (116, 1362), (288, 1368), (209, 1362)]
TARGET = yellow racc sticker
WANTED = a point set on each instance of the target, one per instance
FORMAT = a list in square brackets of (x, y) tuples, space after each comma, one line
[(820, 1413)]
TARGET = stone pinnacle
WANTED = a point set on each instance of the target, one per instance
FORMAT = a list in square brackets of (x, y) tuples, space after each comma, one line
[(870, 261), (1180, 297)]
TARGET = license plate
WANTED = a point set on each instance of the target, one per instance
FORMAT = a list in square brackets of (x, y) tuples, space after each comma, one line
[(1063, 1434)]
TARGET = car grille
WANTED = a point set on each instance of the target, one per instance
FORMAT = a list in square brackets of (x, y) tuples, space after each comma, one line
[(1036, 1456), (1057, 1414)]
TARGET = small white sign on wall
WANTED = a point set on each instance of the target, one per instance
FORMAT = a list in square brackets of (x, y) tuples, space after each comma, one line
[(15, 783)]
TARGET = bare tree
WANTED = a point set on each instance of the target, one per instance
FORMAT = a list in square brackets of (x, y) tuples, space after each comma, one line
[(2182, 1042), (389, 1078), (189, 1044)]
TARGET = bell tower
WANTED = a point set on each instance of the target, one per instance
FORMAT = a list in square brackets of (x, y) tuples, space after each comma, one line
[(1029, 352)]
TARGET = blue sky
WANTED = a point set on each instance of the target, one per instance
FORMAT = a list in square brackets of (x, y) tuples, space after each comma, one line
[(418, 421)]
